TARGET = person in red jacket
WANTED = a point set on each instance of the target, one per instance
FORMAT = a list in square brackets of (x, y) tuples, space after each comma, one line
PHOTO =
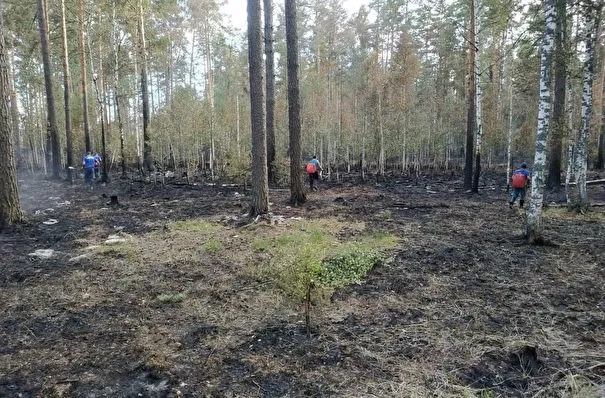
[(313, 168), (520, 181)]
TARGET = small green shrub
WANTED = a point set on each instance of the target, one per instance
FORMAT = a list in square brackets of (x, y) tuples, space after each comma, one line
[(347, 268), (312, 251)]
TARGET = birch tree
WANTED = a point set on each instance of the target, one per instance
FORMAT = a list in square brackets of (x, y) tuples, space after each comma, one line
[(592, 20), (534, 224)]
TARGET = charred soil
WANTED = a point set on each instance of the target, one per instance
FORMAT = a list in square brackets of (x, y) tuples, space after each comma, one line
[(154, 296)]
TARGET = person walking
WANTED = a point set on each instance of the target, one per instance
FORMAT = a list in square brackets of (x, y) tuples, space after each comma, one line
[(520, 180), (98, 161), (313, 168), (88, 163)]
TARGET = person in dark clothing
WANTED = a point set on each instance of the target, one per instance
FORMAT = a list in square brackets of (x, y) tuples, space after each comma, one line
[(88, 163)]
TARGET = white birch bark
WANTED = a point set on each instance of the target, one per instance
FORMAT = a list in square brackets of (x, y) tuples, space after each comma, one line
[(580, 200), (570, 122), (510, 136), (479, 121), (534, 216)]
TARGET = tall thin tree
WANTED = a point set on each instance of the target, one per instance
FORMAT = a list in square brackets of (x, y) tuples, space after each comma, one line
[(116, 87), (270, 88), (471, 112), (479, 115), (67, 96), (50, 98), (297, 192), (534, 226), (147, 156), (14, 110), (592, 10), (600, 164), (260, 197), (558, 131), (10, 208), (83, 77)]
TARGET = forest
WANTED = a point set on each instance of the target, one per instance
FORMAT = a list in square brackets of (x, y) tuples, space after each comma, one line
[(196, 260)]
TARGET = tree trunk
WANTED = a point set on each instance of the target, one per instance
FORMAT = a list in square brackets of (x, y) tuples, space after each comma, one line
[(14, 109), (67, 97), (478, 96), (259, 200), (509, 137), (381, 154), (470, 115), (10, 209), (116, 85), (137, 127), (50, 98), (147, 156), (534, 216), (270, 89), (297, 192), (555, 147), (600, 163), (593, 19), (82, 56), (100, 88)]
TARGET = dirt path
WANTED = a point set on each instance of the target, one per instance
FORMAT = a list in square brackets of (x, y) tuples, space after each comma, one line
[(464, 309)]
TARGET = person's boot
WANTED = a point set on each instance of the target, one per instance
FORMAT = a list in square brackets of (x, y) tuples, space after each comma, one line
[(510, 204), (521, 204)]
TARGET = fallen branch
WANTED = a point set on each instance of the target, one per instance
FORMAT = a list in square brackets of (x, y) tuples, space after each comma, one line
[(408, 206), (567, 205), (592, 182)]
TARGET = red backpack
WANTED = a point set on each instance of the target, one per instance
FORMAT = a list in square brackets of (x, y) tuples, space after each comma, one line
[(311, 168), (519, 180)]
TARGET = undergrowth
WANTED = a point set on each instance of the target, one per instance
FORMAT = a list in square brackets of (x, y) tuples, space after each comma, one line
[(311, 253)]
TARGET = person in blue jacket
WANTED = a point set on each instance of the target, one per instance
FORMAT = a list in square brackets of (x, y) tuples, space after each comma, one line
[(88, 163), (520, 180)]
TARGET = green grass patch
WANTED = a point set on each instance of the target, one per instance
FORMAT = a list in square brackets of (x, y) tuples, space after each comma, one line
[(212, 246), (197, 226), (121, 250), (171, 298)]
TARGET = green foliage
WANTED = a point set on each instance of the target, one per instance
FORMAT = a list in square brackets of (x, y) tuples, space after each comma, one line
[(171, 298), (347, 268), (311, 252), (238, 167)]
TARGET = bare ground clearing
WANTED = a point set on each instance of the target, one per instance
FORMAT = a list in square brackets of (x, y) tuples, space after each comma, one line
[(172, 308)]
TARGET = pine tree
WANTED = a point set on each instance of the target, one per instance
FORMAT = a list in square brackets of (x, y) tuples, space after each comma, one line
[(260, 201), (297, 192), (10, 209)]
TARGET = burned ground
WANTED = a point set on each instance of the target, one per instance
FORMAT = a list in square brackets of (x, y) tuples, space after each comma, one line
[(464, 308)]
